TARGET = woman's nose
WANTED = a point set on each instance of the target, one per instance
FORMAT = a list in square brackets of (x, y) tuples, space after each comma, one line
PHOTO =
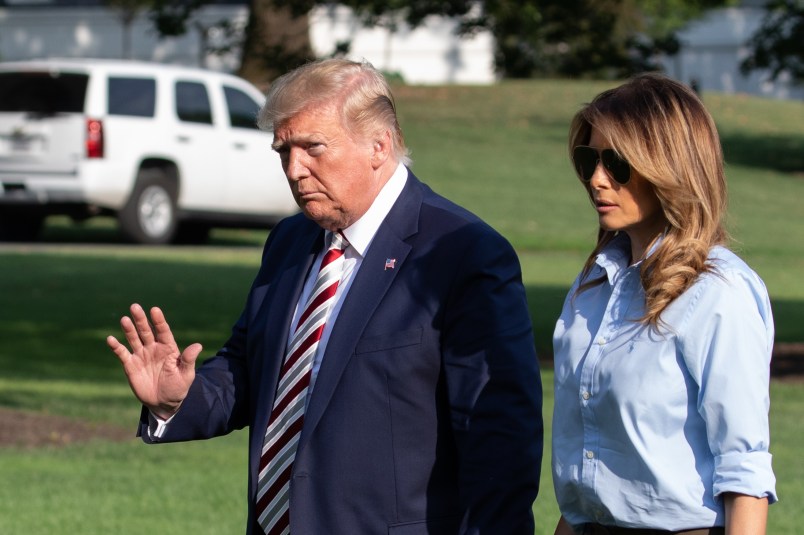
[(600, 178)]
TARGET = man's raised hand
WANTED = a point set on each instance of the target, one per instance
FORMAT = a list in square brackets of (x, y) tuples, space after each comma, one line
[(159, 373)]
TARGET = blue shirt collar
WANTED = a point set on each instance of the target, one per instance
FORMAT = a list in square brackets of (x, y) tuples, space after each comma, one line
[(614, 257)]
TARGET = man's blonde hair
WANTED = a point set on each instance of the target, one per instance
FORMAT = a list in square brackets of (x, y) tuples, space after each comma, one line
[(356, 89)]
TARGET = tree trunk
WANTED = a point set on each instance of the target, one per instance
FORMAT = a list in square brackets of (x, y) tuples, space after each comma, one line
[(277, 40)]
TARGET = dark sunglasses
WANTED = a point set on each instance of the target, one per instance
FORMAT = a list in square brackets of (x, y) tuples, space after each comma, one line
[(586, 159)]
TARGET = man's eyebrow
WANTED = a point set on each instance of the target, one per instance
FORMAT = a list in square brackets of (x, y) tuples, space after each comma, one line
[(299, 140)]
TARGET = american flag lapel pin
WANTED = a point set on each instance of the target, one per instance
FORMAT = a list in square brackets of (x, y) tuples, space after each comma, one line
[(390, 263)]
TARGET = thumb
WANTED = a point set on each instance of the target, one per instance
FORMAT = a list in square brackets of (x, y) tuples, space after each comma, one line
[(190, 355)]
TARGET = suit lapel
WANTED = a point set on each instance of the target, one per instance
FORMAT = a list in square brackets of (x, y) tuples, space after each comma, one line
[(367, 291)]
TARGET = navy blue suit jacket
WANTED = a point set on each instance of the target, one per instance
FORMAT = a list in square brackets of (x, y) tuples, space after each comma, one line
[(426, 413)]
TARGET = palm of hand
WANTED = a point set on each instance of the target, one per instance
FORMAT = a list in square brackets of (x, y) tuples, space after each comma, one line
[(159, 374)]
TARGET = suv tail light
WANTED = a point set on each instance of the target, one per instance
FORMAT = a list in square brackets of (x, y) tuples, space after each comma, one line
[(94, 138)]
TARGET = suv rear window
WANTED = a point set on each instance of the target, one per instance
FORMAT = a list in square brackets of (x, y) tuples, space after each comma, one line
[(132, 96), (42, 92)]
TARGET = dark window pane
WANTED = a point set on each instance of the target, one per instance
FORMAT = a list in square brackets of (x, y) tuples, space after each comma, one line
[(132, 96), (42, 92), (242, 108), (192, 103)]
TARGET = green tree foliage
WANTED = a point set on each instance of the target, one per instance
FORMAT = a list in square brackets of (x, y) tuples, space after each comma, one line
[(275, 39), (778, 45), (596, 38), (170, 18), (593, 38)]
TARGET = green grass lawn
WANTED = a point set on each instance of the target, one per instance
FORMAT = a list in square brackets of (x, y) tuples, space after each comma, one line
[(501, 152)]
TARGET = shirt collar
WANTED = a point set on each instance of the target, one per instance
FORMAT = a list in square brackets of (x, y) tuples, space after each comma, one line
[(361, 232), (615, 255), (613, 258)]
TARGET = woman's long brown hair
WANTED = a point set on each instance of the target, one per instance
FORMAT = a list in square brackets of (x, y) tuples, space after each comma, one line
[(663, 130)]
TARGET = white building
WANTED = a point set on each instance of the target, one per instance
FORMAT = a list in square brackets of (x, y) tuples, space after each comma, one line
[(429, 54), (712, 49)]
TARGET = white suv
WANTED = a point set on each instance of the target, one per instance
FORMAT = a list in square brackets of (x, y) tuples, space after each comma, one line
[(170, 151)]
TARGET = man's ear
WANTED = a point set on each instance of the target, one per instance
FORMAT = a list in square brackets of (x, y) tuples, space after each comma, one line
[(381, 149)]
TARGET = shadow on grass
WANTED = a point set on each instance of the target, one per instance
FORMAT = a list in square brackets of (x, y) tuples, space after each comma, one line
[(788, 316), (788, 349), (56, 309), (783, 153), (104, 230)]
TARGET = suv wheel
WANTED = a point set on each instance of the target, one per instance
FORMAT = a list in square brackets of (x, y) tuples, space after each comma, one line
[(149, 216)]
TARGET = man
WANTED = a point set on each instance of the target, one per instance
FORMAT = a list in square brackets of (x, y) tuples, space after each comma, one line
[(384, 361)]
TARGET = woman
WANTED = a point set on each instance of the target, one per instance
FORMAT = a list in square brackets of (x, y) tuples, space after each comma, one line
[(662, 350)]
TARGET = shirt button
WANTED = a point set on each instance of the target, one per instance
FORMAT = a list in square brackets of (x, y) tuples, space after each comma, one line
[(601, 341), (586, 395), (590, 454)]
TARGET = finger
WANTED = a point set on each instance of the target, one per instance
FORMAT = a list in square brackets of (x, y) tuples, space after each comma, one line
[(141, 324), (131, 334), (163, 333), (118, 349), (190, 355)]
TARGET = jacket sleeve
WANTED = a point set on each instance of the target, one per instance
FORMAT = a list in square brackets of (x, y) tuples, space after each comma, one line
[(494, 389)]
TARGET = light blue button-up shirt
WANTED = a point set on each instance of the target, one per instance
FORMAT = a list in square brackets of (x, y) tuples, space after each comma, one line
[(650, 426)]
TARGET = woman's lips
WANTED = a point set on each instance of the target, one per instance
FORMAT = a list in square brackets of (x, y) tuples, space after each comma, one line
[(604, 206)]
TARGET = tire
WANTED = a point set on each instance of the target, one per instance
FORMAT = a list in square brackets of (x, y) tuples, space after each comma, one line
[(20, 227), (149, 216)]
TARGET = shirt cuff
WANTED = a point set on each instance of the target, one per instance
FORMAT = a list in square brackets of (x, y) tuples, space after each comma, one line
[(157, 426), (748, 473)]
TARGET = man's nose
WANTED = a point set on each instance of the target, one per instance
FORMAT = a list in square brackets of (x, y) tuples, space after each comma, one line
[(295, 167)]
